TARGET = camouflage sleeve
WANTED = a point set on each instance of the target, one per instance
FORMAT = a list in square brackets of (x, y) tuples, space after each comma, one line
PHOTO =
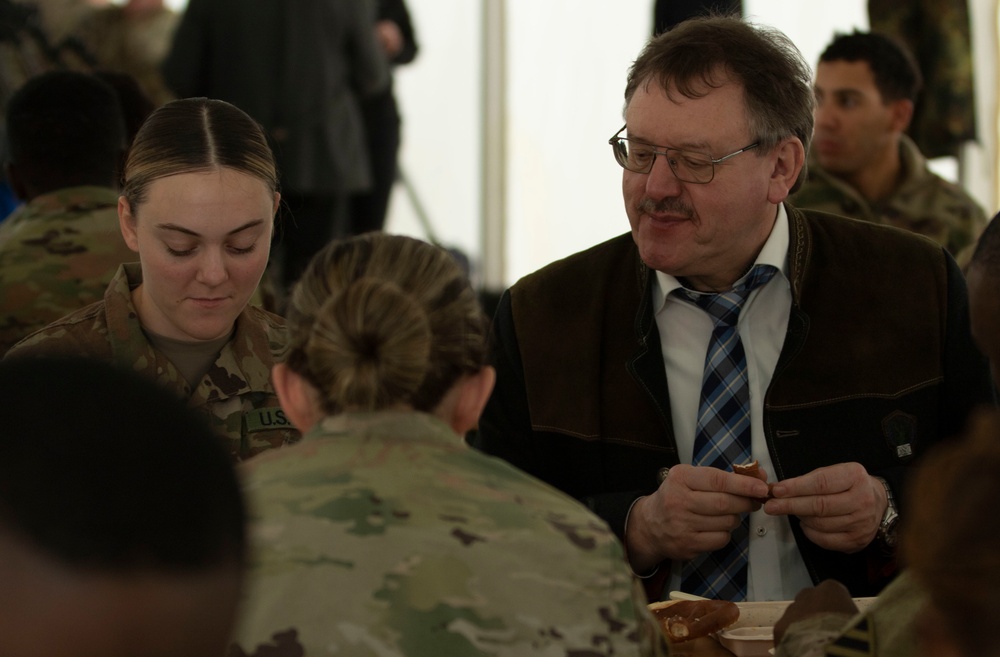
[(810, 637), (60, 339), (652, 640)]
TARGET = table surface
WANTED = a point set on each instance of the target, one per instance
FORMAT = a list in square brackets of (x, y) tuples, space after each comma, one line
[(703, 647)]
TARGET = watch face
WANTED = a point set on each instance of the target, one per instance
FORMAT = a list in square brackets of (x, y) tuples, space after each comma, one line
[(887, 532)]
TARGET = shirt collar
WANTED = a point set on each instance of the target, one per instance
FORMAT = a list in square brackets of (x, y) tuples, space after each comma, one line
[(774, 252)]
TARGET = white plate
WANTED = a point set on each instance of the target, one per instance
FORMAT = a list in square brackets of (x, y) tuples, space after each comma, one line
[(766, 614)]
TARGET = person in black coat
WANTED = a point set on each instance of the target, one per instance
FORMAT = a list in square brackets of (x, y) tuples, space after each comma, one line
[(394, 32)]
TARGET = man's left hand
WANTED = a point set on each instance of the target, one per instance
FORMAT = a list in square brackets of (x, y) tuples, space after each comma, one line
[(840, 507)]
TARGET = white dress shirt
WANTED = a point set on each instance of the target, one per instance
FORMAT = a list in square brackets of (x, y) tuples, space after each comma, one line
[(777, 571)]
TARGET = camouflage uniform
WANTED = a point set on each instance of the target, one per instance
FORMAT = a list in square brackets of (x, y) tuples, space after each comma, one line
[(236, 393), (384, 534), (57, 254), (923, 203)]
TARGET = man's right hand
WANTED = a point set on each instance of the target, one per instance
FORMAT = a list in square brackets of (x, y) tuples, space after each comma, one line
[(693, 511)]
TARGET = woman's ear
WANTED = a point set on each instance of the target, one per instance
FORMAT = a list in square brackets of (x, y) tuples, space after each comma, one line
[(474, 392), (126, 222), (790, 157), (298, 398)]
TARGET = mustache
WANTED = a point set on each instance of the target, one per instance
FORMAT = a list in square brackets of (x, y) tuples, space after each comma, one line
[(667, 205)]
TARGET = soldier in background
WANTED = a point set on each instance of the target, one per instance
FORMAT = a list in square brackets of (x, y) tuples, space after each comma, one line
[(862, 164), (59, 251), (26, 50)]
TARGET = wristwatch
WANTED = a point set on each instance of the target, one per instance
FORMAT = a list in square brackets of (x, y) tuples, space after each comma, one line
[(887, 529)]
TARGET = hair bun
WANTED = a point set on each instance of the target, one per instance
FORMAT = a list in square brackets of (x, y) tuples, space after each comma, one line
[(370, 346)]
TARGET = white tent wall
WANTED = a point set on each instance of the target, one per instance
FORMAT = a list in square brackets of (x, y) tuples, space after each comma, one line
[(552, 187), (565, 65)]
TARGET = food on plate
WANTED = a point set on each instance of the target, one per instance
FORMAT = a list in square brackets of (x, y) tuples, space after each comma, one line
[(752, 469), (685, 620)]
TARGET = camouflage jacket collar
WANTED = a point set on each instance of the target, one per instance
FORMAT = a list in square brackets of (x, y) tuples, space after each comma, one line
[(243, 366), (392, 425), (915, 175)]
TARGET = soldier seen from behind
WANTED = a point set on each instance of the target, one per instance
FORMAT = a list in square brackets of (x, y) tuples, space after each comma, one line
[(382, 532), (58, 252)]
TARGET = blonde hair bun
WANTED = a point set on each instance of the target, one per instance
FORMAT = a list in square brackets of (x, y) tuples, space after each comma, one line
[(371, 344)]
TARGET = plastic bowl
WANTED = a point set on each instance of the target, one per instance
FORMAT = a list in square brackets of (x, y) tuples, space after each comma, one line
[(749, 641)]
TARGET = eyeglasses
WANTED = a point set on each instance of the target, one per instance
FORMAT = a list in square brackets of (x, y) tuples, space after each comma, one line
[(687, 166)]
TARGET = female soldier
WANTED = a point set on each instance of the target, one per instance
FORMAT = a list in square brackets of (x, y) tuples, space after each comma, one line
[(382, 532), (198, 206)]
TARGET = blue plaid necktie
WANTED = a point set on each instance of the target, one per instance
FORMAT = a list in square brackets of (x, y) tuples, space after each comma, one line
[(723, 433)]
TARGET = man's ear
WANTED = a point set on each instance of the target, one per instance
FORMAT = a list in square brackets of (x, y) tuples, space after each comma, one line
[(790, 157), (126, 222), (473, 394), (297, 396), (900, 113)]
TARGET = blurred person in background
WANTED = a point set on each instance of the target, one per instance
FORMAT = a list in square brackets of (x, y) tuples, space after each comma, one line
[(59, 251), (395, 34), (300, 69)]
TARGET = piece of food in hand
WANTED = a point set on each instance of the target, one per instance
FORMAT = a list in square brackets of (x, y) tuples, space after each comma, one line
[(685, 620), (752, 469)]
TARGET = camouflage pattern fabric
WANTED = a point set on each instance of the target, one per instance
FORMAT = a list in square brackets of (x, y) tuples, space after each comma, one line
[(885, 629), (134, 44), (939, 34), (924, 203), (384, 534), (57, 254), (236, 393)]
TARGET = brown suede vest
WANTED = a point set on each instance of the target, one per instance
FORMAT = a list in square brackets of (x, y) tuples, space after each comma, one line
[(876, 364)]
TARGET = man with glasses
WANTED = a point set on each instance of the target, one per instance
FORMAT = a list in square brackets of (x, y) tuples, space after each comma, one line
[(728, 327)]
